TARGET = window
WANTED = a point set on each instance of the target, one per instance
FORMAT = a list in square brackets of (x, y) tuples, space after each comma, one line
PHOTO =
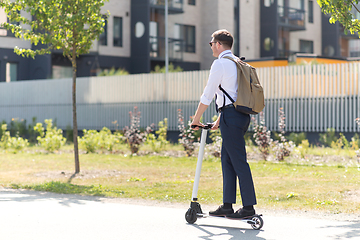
[(118, 32), (154, 41), (306, 46), (268, 3), (192, 2), (187, 34), (9, 32), (311, 12), (268, 44), (103, 35), (11, 72)]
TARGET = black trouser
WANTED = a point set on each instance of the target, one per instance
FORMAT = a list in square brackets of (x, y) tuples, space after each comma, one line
[(233, 126)]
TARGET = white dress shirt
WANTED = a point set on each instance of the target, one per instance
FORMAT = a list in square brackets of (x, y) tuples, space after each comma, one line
[(223, 71)]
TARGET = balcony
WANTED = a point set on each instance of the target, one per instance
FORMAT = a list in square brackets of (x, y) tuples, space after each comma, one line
[(157, 48), (291, 18), (174, 6)]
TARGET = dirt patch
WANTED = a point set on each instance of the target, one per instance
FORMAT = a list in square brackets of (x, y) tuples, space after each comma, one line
[(85, 174), (352, 196)]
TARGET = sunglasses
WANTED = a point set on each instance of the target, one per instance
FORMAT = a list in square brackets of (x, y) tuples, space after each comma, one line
[(210, 43)]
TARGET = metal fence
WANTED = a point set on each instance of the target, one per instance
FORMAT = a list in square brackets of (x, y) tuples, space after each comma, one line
[(314, 98)]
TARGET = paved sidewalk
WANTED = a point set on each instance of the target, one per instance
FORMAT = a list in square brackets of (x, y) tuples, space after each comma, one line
[(33, 215)]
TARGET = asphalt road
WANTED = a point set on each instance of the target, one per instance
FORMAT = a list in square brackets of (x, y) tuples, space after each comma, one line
[(34, 215)]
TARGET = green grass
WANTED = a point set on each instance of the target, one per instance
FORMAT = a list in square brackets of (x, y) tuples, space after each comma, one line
[(284, 185)]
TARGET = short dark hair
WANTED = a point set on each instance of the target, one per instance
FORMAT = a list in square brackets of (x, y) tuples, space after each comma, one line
[(223, 36)]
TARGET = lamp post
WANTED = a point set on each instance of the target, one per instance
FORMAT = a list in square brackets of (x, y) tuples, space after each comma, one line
[(166, 37)]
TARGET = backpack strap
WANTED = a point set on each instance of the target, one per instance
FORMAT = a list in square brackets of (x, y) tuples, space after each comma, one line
[(223, 90), (237, 68)]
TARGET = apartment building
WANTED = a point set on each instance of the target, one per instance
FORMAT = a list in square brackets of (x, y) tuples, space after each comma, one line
[(134, 36)]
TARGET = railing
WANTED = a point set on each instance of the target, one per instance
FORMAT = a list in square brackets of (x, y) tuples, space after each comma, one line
[(291, 17), (157, 48), (286, 53), (314, 98)]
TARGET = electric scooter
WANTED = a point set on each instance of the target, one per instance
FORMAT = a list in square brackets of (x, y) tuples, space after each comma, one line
[(195, 212)]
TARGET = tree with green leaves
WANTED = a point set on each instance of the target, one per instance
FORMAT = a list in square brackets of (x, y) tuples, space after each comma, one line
[(66, 25), (342, 11)]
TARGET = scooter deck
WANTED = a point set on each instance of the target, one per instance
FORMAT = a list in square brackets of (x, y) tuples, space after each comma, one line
[(206, 215), (255, 221)]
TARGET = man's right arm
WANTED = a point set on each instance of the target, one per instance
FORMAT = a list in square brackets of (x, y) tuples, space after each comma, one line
[(215, 76)]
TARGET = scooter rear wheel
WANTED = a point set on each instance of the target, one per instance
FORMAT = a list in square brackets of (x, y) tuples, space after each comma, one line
[(259, 222)]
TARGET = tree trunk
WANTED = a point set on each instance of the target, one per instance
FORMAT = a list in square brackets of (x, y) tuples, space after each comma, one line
[(75, 128)]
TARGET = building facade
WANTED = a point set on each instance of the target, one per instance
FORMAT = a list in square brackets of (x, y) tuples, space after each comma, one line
[(134, 37)]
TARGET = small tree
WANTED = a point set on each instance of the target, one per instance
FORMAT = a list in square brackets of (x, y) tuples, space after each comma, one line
[(282, 147), (134, 137), (69, 26), (187, 135)]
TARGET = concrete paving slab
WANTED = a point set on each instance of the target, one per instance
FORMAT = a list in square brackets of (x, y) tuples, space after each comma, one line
[(43, 216)]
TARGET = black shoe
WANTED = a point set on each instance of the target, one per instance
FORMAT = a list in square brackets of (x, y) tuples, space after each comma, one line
[(221, 212), (241, 214)]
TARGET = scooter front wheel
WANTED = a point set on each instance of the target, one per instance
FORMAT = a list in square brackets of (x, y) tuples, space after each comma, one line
[(190, 216)]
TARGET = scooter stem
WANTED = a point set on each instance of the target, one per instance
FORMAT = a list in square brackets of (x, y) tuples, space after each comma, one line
[(199, 164)]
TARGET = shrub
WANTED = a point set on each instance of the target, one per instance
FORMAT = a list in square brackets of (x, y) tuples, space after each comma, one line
[(262, 136), (186, 135), (297, 138), (20, 129), (15, 143), (132, 134), (355, 142), (88, 141), (303, 148), (159, 69), (18, 143), (357, 120), (159, 143), (5, 137), (340, 143), (113, 72), (51, 140), (106, 140), (93, 140), (328, 137)]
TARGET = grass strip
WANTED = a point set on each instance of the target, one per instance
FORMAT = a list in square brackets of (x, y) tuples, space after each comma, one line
[(281, 185)]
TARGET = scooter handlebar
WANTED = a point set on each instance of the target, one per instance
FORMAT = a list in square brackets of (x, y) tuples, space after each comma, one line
[(207, 126)]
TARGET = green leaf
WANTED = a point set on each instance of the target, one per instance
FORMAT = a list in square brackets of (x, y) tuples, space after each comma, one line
[(55, 24)]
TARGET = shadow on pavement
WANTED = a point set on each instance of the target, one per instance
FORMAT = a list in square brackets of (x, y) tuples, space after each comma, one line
[(17, 195), (232, 232), (353, 230)]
